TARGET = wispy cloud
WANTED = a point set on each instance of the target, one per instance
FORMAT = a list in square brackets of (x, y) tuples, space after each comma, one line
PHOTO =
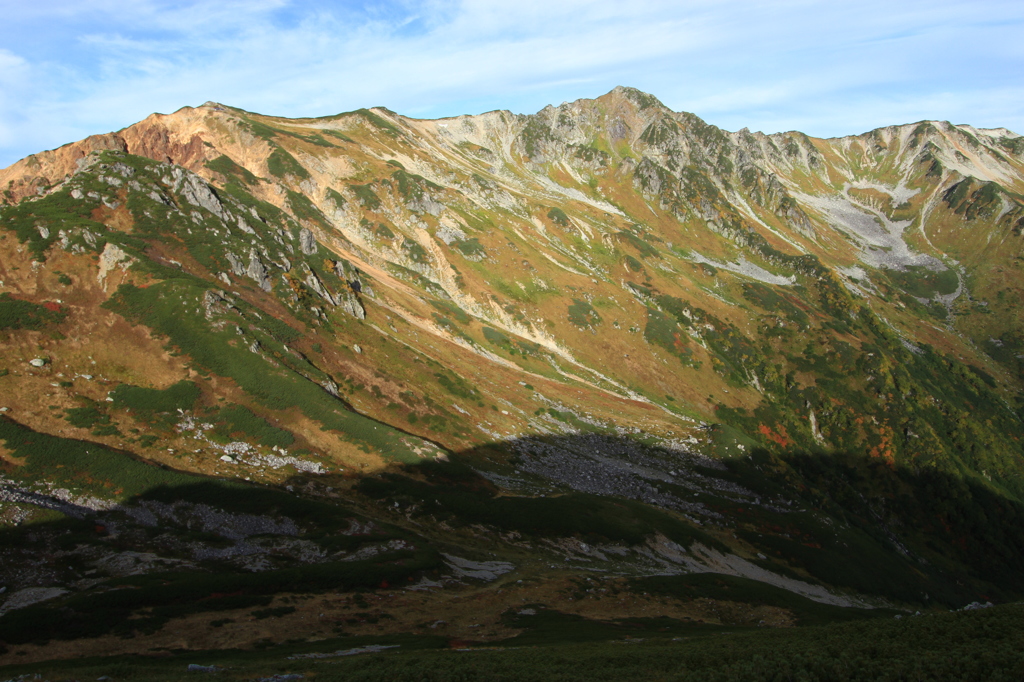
[(69, 69)]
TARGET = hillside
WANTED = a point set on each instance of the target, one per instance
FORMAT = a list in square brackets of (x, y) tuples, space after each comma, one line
[(607, 348)]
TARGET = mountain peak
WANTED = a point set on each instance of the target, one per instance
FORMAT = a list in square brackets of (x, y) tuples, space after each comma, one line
[(640, 98)]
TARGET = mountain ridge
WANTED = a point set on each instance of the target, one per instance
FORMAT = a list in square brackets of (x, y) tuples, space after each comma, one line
[(145, 143), (153, 138)]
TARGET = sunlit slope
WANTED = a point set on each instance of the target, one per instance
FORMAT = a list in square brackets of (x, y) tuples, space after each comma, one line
[(607, 264)]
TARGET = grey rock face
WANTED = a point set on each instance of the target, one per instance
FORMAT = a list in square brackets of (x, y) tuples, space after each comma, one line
[(344, 270), (799, 221), (257, 271), (198, 193), (123, 170), (236, 264), (85, 163), (707, 210), (450, 233), (426, 204), (244, 226), (350, 303), (647, 178), (314, 283), (156, 196), (307, 242), (348, 300), (215, 304)]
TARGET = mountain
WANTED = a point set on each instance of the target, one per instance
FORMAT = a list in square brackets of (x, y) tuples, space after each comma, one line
[(606, 348)]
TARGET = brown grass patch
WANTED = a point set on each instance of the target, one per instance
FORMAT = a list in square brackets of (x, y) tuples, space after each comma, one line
[(467, 613)]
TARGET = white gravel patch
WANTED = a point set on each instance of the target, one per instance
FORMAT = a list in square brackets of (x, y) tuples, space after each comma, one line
[(880, 239), (29, 596), (745, 268)]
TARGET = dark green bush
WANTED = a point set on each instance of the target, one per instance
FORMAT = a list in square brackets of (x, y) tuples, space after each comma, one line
[(227, 167), (583, 315), (83, 465), (557, 215), (280, 163), (18, 314), (147, 402), (241, 421), (366, 196)]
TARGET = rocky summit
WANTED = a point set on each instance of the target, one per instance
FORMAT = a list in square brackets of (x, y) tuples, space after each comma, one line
[(365, 382)]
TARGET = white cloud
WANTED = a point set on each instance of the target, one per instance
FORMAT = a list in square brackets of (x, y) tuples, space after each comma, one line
[(14, 77), (13, 69)]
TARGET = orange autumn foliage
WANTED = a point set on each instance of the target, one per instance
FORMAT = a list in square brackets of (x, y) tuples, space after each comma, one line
[(782, 438)]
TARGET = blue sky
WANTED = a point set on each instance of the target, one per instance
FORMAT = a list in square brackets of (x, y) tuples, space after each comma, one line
[(71, 68)]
